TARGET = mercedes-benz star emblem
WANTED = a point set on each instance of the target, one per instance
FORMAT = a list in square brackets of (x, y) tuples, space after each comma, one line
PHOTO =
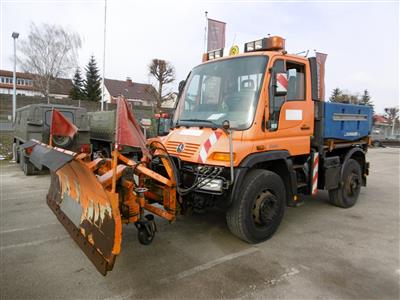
[(180, 148)]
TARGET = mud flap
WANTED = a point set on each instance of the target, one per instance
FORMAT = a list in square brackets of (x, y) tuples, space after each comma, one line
[(88, 212)]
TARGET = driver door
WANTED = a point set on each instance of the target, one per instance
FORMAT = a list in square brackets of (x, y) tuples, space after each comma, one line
[(291, 114)]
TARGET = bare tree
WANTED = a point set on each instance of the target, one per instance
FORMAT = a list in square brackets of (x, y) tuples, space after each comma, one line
[(49, 52), (164, 73)]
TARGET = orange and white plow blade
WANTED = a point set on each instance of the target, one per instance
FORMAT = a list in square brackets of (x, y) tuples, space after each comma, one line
[(88, 212)]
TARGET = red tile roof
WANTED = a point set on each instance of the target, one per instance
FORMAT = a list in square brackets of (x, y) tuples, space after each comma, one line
[(131, 90), (380, 119)]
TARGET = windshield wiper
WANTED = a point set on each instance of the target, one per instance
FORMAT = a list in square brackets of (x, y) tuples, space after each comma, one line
[(215, 125)]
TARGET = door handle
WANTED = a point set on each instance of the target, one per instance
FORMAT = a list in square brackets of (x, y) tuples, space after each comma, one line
[(304, 127)]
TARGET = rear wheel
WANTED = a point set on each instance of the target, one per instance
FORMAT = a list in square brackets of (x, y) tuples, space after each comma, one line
[(376, 144), (258, 210), (27, 167), (16, 152), (21, 158), (62, 141), (350, 185)]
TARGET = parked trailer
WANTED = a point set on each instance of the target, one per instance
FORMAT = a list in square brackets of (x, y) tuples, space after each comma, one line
[(102, 131)]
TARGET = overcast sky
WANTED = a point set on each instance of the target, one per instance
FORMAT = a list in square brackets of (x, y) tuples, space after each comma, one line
[(361, 39)]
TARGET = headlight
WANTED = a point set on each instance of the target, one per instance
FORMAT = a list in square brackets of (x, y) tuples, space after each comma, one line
[(213, 185)]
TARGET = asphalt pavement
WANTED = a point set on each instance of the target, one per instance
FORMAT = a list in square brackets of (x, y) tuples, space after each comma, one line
[(319, 251)]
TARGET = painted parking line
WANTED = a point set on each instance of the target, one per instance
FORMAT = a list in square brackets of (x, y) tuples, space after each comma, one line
[(34, 243), (209, 265), (17, 196), (27, 228), (129, 293)]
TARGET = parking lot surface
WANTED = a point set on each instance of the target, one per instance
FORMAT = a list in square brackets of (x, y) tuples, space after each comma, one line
[(319, 251)]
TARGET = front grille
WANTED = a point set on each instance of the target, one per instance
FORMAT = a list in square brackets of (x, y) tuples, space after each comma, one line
[(188, 152)]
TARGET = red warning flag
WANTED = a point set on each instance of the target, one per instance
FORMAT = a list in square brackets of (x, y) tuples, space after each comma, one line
[(128, 131), (61, 126)]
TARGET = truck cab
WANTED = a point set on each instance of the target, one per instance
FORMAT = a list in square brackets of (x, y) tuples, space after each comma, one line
[(254, 123)]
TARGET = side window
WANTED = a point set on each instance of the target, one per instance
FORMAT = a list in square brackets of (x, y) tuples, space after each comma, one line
[(275, 101), (296, 81), (192, 94)]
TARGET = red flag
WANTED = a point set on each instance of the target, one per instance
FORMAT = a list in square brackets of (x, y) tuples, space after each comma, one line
[(61, 126), (215, 35), (128, 131)]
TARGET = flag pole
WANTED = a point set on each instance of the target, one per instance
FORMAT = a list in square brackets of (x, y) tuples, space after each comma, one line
[(104, 55), (51, 127), (115, 152), (205, 32)]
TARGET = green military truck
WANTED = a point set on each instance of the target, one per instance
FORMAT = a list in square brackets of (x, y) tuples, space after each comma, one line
[(33, 122)]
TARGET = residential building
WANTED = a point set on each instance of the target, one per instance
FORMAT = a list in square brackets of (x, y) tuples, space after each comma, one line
[(384, 127), (136, 93), (25, 85)]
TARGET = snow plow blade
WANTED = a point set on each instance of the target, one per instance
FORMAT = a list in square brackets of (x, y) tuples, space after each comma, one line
[(87, 212), (93, 198)]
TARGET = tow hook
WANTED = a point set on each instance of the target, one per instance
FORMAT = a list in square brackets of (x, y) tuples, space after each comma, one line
[(146, 229)]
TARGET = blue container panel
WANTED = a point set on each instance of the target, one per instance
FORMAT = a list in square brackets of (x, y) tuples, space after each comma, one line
[(347, 121)]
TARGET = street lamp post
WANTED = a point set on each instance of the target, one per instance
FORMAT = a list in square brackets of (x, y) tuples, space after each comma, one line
[(14, 35)]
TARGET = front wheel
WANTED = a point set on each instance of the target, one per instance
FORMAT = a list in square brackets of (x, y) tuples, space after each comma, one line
[(257, 212), (350, 185)]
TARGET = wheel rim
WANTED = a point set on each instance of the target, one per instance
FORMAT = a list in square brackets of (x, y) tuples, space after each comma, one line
[(265, 208), (353, 185), (61, 140)]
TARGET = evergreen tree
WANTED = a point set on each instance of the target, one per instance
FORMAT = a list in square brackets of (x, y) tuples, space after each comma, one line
[(336, 96), (366, 99), (92, 82), (77, 92)]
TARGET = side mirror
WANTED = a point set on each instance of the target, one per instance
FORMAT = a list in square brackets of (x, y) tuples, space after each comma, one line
[(181, 87), (281, 84)]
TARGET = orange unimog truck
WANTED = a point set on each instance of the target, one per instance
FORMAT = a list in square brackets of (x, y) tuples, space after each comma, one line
[(251, 133)]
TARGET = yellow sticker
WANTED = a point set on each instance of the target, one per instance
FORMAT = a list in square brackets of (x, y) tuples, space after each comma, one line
[(234, 50)]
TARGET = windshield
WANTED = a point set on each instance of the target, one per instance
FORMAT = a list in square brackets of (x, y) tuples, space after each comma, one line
[(222, 90)]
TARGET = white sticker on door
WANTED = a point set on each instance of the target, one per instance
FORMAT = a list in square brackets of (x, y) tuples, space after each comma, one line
[(294, 114)]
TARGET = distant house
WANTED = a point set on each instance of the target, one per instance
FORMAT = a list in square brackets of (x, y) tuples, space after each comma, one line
[(136, 93), (382, 126), (141, 94), (25, 85)]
